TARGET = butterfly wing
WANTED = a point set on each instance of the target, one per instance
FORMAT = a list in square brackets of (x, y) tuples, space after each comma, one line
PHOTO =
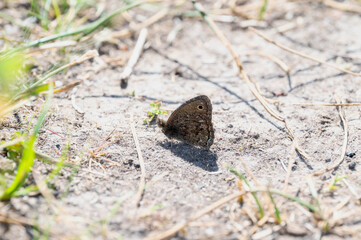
[(192, 122)]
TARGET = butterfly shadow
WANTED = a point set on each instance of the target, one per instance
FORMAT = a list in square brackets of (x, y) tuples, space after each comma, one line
[(204, 159)]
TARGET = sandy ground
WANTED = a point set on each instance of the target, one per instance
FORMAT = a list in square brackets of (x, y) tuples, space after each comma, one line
[(182, 179)]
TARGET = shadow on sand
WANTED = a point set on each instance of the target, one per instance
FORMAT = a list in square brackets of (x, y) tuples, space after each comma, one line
[(204, 159)]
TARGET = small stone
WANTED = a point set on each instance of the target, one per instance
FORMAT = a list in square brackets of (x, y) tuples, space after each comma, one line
[(352, 165), (296, 230), (209, 231), (351, 154), (226, 107)]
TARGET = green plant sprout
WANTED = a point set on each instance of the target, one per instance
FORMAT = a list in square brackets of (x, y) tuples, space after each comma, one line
[(154, 112), (277, 211), (335, 181), (263, 10)]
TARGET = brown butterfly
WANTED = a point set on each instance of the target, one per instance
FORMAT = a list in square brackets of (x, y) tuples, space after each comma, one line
[(191, 123)]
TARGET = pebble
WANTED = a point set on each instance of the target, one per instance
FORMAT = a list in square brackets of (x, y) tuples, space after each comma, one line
[(351, 154), (296, 230), (226, 107), (352, 165)]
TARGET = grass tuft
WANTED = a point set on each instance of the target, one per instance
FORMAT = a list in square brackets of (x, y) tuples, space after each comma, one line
[(28, 153), (241, 177)]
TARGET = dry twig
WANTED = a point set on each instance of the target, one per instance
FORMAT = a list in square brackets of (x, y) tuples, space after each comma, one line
[(104, 141), (342, 6), (344, 145), (247, 11), (249, 171), (104, 144), (276, 60), (53, 45), (329, 104), (352, 190), (49, 159), (19, 220), (124, 77), (153, 19), (245, 77), (302, 54), (44, 190), (141, 163), (178, 227), (73, 103), (289, 168), (68, 87)]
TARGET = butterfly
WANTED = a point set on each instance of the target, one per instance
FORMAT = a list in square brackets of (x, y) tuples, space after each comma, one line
[(191, 123)]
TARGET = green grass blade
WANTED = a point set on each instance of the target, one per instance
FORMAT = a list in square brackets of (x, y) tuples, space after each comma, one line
[(311, 207), (45, 16), (24, 168), (277, 212), (28, 154), (44, 111), (57, 12), (260, 209), (87, 29), (14, 21), (47, 159), (263, 9), (34, 6), (54, 173)]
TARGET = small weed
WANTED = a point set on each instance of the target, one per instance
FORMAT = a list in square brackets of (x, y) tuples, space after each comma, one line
[(154, 112), (131, 94), (271, 192), (336, 179)]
